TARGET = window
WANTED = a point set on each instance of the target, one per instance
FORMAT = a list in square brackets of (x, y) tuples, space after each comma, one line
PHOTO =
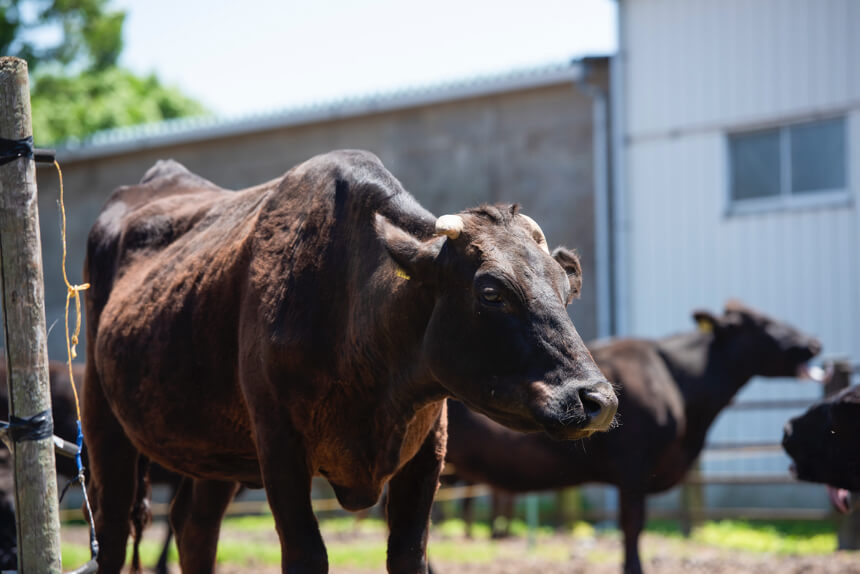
[(788, 165)]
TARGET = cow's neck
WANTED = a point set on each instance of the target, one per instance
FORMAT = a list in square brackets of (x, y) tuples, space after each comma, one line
[(389, 314), (709, 373)]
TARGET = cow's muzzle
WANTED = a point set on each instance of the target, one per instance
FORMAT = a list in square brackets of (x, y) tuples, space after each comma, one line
[(588, 408), (599, 403)]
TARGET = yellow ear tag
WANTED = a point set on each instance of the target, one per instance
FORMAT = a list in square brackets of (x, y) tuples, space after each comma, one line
[(706, 326), (400, 272)]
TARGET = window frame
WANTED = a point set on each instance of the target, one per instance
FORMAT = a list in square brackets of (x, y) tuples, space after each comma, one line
[(787, 199)]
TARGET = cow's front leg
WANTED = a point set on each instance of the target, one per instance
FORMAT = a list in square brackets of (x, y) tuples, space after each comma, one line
[(287, 479), (632, 522), (410, 498)]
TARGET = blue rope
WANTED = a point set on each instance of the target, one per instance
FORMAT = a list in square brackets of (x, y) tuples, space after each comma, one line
[(79, 440)]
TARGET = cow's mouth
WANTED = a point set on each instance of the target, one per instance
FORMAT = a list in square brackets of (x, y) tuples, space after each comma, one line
[(527, 422), (569, 433), (840, 498)]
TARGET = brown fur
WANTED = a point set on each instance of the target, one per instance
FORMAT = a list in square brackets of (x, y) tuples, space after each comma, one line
[(264, 336)]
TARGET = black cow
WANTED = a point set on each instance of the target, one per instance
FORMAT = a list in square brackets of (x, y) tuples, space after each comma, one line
[(315, 324), (669, 392), (825, 445)]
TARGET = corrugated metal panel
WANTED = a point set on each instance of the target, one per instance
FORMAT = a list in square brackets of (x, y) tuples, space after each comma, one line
[(800, 265), (698, 69), (705, 63)]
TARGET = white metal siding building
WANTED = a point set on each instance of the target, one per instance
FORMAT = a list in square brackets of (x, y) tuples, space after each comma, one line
[(737, 138)]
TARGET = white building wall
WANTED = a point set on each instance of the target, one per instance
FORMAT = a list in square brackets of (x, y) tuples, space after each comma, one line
[(693, 71), (705, 64)]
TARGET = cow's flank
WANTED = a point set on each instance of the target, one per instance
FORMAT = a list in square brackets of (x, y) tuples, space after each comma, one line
[(314, 325)]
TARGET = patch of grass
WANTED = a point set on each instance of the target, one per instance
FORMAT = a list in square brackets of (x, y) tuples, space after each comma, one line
[(258, 546), (664, 527), (582, 529), (598, 556), (456, 528), (74, 555), (262, 523), (552, 552), (365, 554), (349, 524), (248, 553), (765, 537), (485, 551), (773, 536), (520, 528), (459, 552)]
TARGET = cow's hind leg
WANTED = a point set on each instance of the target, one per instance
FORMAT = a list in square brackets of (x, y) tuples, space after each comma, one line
[(112, 462), (410, 498), (195, 515)]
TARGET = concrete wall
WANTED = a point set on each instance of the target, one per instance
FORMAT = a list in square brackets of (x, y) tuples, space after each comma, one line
[(531, 146)]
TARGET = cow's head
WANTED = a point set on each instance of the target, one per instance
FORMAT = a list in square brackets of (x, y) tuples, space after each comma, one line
[(825, 441), (499, 337), (776, 348)]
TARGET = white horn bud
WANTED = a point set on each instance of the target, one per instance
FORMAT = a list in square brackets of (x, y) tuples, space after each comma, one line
[(537, 232), (449, 226)]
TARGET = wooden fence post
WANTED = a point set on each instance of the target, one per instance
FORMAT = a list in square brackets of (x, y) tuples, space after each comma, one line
[(692, 499), (848, 526), (37, 512)]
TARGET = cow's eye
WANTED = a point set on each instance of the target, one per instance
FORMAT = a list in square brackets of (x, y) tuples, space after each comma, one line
[(491, 295)]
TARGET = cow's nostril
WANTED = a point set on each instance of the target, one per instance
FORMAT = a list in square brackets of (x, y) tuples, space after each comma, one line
[(599, 404), (590, 405)]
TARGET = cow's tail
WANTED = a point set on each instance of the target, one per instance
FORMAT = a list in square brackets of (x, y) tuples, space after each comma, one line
[(141, 513)]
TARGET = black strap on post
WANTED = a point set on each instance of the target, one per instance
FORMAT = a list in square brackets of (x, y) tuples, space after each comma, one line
[(10, 150), (36, 427)]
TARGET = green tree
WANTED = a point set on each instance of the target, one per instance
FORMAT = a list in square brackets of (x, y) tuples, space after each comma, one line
[(66, 107), (72, 48), (84, 34)]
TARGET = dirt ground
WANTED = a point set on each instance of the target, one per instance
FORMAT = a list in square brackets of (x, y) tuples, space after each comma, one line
[(559, 554)]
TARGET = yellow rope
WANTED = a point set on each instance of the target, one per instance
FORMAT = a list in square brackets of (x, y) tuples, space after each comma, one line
[(73, 291)]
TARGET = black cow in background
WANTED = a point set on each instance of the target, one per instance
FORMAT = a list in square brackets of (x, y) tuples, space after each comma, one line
[(670, 391), (825, 445)]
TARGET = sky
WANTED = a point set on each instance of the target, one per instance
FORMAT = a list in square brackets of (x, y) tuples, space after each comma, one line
[(270, 55)]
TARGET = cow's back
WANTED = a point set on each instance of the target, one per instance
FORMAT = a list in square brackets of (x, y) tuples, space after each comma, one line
[(164, 262), (126, 222)]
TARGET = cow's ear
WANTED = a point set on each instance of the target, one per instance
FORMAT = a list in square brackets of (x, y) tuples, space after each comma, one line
[(706, 321), (414, 258), (569, 261)]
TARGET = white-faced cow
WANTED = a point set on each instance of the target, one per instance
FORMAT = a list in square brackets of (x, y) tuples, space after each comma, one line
[(311, 325)]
